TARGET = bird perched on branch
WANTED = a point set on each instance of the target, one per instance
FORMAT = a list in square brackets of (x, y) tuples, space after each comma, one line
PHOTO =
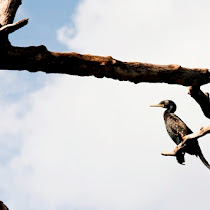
[(176, 129)]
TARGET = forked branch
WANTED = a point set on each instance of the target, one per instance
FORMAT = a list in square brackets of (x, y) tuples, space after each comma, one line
[(8, 9), (10, 28), (186, 140)]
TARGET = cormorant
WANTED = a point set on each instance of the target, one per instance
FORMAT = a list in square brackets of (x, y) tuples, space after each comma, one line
[(176, 129)]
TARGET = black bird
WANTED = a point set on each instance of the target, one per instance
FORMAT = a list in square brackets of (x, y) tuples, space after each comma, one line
[(176, 129)]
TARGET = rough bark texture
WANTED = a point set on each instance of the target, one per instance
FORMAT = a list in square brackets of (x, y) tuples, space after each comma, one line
[(8, 9), (40, 59)]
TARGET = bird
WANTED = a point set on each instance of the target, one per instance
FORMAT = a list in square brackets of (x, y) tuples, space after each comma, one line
[(176, 129)]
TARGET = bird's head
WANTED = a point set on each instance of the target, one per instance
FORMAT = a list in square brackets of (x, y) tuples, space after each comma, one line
[(168, 104)]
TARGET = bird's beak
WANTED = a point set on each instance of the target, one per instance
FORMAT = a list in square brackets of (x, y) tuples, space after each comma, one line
[(157, 105)]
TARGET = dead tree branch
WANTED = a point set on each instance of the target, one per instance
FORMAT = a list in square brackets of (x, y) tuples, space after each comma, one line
[(8, 9), (10, 28), (186, 140), (201, 98), (203, 131), (40, 59)]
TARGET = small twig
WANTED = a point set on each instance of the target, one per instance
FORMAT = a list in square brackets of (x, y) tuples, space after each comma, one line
[(175, 151), (10, 28), (168, 153)]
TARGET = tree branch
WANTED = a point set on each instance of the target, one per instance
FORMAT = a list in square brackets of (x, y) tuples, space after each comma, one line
[(186, 140), (10, 28), (201, 98), (40, 59), (8, 9), (203, 131)]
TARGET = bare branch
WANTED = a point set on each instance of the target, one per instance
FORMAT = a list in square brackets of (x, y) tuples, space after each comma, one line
[(201, 98), (40, 59), (203, 131), (186, 140), (8, 9), (10, 28), (173, 153)]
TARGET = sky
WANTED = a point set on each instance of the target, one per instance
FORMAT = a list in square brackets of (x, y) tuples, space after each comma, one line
[(83, 143)]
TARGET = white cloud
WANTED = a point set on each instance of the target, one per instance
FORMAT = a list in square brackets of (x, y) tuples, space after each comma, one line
[(91, 143), (88, 144), (148, 31)]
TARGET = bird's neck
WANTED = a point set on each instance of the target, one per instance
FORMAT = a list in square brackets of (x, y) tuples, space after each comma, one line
[(167, 113), (171, 109)]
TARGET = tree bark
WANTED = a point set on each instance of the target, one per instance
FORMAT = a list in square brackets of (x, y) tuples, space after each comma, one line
[(201, 98), (8, 9), (40, 59)]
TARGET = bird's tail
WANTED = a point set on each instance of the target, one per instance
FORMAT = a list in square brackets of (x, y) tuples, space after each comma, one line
[(180, 157), (194, 149), (203, 159)]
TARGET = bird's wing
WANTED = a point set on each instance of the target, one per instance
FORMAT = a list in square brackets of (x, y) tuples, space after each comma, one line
[(176, 127)]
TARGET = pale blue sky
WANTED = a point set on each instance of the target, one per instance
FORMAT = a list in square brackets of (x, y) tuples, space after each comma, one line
[(68, 142), (43, 22), (46, 17)]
